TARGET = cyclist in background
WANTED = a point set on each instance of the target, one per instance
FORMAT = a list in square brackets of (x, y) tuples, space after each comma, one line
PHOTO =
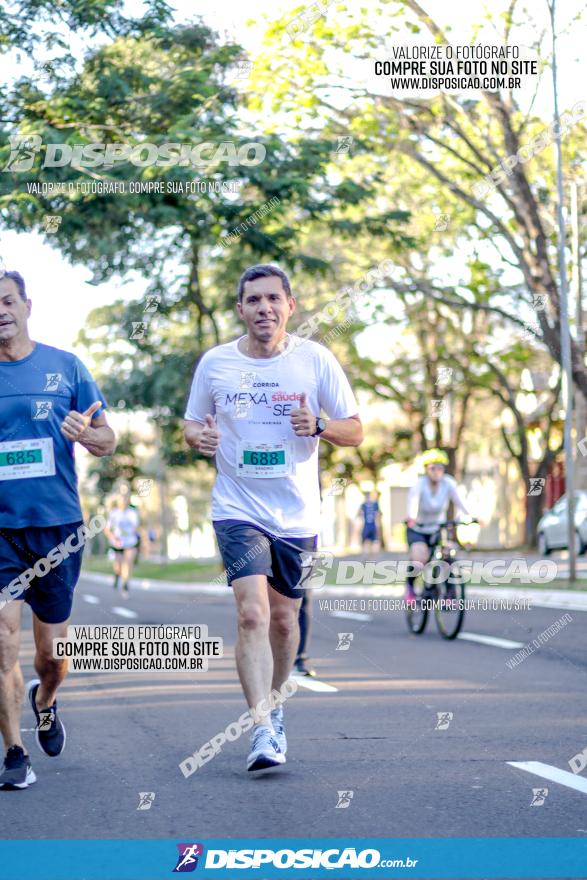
[(428, 502)]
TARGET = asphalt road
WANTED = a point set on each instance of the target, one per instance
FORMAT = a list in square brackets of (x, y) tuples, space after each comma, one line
[(375, 735)]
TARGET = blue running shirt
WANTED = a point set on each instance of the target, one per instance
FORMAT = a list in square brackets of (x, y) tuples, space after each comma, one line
[(370, 510), (38, 480)]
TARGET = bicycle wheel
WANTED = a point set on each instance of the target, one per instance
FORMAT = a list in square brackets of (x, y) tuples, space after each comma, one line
[(417, 612), (449, 609)]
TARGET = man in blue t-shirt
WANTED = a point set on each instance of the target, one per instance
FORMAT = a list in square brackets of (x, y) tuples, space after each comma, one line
[(371, 521), (48, 402)]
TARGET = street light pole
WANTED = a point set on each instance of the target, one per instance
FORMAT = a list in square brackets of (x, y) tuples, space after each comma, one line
[(564, 317)]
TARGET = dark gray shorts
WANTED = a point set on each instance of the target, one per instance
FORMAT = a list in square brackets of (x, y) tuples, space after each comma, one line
[(247, 549)]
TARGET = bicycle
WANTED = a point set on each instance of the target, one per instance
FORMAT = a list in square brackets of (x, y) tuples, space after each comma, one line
[(439, 587)]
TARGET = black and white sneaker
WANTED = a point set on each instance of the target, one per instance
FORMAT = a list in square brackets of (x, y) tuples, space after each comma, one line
[(278, 727), (265, 751), (301, 668), (17, 771), (50, 730)]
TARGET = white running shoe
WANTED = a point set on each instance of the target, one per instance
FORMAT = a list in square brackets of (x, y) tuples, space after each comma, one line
[(278, 727), (265, 751)]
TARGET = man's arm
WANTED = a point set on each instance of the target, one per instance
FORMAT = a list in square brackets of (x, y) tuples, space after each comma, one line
[(344, 432), (95, 435), (339, 432), (99, 438)]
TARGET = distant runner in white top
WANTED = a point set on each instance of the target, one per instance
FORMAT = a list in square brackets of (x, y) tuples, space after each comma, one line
[(256, 405), (428, 502), (122, 532)]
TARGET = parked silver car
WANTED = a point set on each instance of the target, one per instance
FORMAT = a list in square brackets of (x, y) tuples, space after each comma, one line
[(552, 526)]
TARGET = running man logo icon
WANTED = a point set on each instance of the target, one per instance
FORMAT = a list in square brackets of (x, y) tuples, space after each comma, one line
[(344, 641), (539, 301), (539, 796), (444, 375), (344, 144), (536, 486), (338, 486), (188, 857), (51, 223), (46, 719), (152, 303), (531, 331), (243, 69), (344, 799), (442, 221), (247, 379), (139, 329), (144, 488), (23, 149), (241, 409), (146, 799), (42, 409), (437, 407), (52, 381), (444, 719), (314, 567)]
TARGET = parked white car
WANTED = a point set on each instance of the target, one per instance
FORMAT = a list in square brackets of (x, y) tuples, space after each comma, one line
[(552, 526)]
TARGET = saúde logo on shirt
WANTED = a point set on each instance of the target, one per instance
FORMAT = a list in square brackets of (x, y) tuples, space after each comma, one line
[(281, 403)]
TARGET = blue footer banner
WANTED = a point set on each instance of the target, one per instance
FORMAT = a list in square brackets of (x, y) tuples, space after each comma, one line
[(306, 858)]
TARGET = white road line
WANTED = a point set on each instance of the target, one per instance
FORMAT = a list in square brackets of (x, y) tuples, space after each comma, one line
[(490, 640), (547, 771), (124, 612), (313, 684), (91, 600), (351, 615)]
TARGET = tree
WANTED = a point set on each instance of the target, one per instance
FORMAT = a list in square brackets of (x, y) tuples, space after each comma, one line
[(449, 145)]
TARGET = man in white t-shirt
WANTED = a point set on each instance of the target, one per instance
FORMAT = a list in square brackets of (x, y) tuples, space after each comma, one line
[(255, 404)]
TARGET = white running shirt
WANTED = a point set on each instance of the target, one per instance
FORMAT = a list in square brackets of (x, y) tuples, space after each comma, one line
[(428, 507), (124, 525), (252, 399)]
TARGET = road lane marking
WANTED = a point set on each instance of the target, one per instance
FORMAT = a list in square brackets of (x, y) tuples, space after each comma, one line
[(124, 612), (313, 684), (351, 615), (490, 640), (91, 600), (547, 771)]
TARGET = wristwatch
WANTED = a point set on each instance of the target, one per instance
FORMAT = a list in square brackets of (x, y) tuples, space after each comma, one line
[(320, 426)]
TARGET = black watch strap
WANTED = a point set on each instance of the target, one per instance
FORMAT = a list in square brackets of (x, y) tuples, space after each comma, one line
[(320, 426)]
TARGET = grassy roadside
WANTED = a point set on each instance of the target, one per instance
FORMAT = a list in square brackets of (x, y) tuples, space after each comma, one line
[(187, 570)]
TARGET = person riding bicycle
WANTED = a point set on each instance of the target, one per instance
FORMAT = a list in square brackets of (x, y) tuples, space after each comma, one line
[(428, 502)]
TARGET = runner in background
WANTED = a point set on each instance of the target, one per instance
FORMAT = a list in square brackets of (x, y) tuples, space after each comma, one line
[(371, 533), (122, 534), (301, 664)]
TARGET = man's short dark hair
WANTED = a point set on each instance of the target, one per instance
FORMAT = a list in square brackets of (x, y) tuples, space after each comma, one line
[(262, 270), (18, 280)]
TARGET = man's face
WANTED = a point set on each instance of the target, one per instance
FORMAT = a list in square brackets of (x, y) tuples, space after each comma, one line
[(14, 311), (265, 308)]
